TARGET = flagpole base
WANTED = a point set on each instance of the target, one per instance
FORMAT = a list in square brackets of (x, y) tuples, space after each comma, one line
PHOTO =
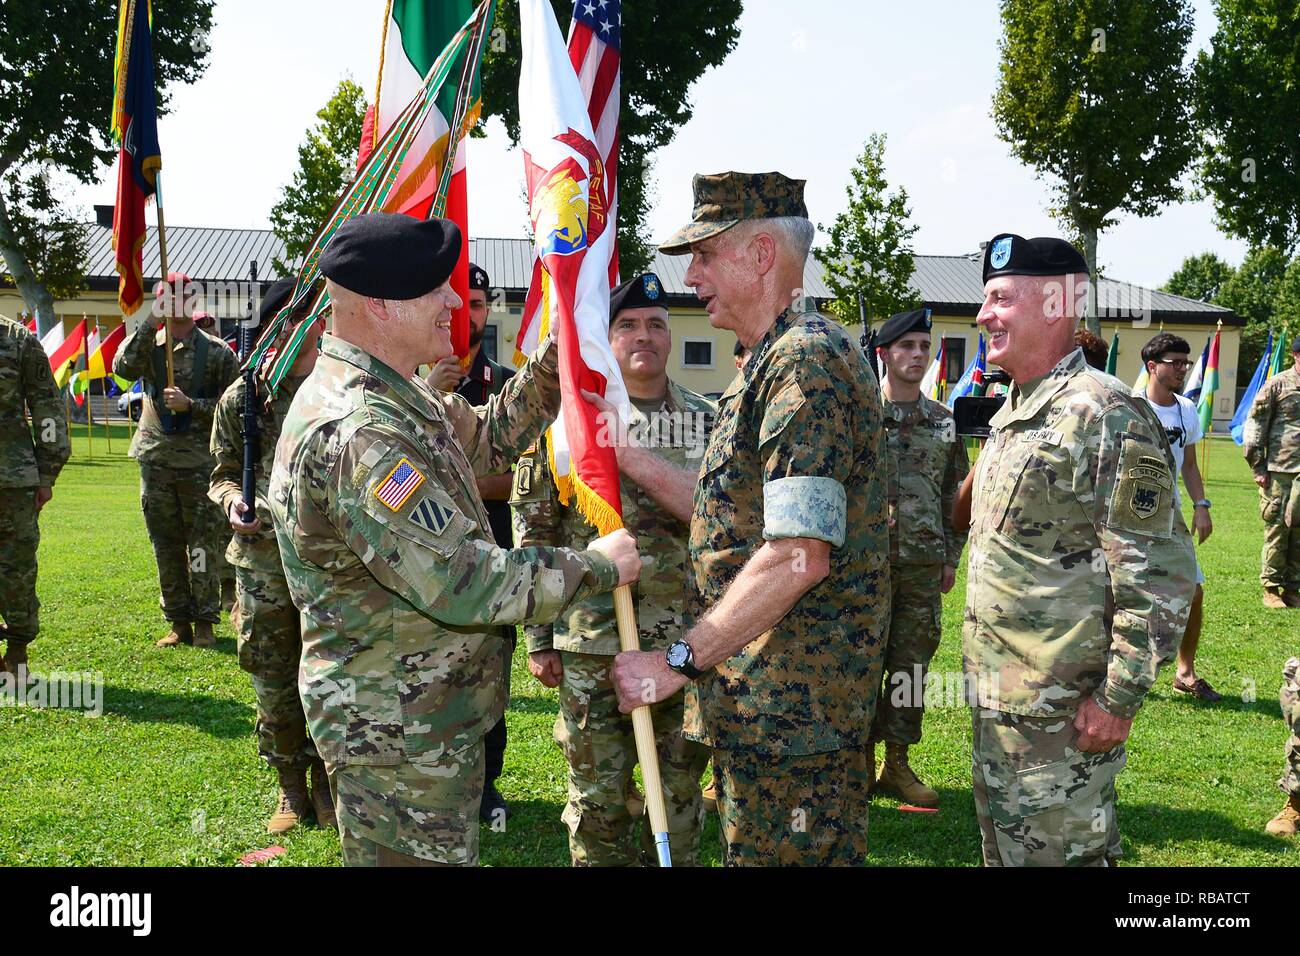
[(661, 847)]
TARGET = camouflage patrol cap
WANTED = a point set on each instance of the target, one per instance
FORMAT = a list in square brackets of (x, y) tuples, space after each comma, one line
[(724, 199)]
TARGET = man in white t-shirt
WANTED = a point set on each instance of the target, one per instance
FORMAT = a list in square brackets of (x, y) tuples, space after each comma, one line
[(1167, 359)]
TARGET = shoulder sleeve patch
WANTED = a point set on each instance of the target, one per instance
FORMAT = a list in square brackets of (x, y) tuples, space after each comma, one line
[(399, 484), (1143, 499)]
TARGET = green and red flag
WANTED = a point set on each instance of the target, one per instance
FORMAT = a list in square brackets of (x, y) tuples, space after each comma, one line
[(135, 129), (375, 184), (415, 33), (1209, 385)]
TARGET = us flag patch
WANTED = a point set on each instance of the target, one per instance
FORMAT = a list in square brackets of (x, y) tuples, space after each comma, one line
[(400, 484)]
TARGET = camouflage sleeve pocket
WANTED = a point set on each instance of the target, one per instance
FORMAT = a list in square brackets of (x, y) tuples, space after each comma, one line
[(1142, 501), (397, 495)]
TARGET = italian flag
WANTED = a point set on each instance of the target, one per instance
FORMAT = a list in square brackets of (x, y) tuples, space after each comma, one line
[(415, 33)]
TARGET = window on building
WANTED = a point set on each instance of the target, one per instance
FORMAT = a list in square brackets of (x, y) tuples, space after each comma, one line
[(956, 352), (697, 353)]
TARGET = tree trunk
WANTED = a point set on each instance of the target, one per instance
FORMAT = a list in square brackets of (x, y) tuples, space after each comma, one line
[(34, 293), (1090, 255)]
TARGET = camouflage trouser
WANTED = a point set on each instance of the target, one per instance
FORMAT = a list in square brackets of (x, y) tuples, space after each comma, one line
[(793, 811), (913, 638), (188, 532), (1280, 559), (20, 536), (1040, 801), (598, 744), (270, 645), (425, 811), (1289, 697)]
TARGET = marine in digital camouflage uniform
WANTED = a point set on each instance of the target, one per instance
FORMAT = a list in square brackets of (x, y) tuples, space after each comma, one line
[(926, 463), (596, 739), (270, 640), (1272, 447), (187, 531), (1287, 822), (388, 553), (789, 590), (1080, 577), (34, 447)]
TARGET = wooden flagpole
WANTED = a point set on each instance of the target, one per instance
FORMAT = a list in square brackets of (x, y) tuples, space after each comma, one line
[(162, 264), (643, 731)]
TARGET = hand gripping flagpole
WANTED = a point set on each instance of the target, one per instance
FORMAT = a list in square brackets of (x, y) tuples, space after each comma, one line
[(643, 731)]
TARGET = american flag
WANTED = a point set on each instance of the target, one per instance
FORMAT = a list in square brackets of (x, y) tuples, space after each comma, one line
[(595, 50), (399, 485)]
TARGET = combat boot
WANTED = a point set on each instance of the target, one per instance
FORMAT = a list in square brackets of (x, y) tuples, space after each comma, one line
[(1273, 599), (897, 777), (1291, 598), (181, 633), (203, 634), (15, 659), (1287, 822), (321, 800), (293, 801)]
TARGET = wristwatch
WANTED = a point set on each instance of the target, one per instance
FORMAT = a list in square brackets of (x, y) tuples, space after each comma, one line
[(1203, 503), (681, 658)]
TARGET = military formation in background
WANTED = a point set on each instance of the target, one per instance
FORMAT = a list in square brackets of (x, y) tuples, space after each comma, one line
[(188, 532), (789, 547)]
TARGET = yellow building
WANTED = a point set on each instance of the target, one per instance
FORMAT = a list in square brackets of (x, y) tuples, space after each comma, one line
[(218, 261)]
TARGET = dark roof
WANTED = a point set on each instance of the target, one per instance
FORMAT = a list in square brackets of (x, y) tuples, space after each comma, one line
[(950, 285)]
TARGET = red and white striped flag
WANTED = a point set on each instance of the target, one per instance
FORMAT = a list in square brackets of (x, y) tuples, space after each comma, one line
[(573, 238), (595, 50)]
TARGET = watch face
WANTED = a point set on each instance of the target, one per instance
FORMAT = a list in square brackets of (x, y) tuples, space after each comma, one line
[(677, 654)]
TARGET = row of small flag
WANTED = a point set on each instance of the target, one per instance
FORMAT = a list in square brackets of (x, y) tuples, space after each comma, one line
[(1200, 388), (66, 351)]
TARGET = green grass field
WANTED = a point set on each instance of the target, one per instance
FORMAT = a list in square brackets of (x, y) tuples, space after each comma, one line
[(169, 774)]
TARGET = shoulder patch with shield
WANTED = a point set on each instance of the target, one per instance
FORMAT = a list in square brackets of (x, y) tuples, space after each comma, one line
[(1144, 493)]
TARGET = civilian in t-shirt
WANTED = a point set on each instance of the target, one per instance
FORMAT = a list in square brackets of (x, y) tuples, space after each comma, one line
[(1167, 359)]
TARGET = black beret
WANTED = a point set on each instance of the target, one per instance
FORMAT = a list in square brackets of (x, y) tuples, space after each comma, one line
[(638, 293), (896, 326), (478, 278), (1011, 255), (276, 298), (387, 255), (1295, 345)]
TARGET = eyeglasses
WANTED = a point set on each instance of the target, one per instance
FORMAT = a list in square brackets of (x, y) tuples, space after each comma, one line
[(1180, 364)]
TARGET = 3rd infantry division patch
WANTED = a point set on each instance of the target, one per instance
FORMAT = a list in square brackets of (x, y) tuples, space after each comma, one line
[(430, 515)]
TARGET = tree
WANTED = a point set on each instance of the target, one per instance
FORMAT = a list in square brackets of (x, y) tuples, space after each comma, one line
[(670, 45), (1253, 293), (869, 255), (56, 87), (1200, 277), (1094, 95), (53, 238), (327, 161), (1247, 98)]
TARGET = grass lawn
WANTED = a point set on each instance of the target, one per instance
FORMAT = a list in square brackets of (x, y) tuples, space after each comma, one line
[(170, 774)]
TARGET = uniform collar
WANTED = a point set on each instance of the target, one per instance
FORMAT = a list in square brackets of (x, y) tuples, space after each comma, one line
[(409, 391), (1030, 397)]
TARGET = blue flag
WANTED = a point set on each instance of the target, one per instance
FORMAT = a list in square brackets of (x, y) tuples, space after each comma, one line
[(973, 376), (1257, 380)]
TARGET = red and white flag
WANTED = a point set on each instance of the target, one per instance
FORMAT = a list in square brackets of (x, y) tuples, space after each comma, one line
[(573, 240), (595, 50)]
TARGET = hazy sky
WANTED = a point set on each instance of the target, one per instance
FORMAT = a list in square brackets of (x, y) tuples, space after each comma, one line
[(808, 81)]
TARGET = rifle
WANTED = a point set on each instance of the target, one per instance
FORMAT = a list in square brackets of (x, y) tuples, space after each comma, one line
[(247, 338)]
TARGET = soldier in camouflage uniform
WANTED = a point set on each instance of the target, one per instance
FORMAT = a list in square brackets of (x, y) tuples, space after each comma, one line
[(789, 587), (171, 443), (388, 552), (577, 651), (1081, 572), (926, 463), (34, 447), (270, 641), (1272, 446), (1287, 822)]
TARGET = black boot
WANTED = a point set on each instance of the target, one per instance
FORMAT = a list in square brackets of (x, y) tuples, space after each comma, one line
[(494, 806)]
